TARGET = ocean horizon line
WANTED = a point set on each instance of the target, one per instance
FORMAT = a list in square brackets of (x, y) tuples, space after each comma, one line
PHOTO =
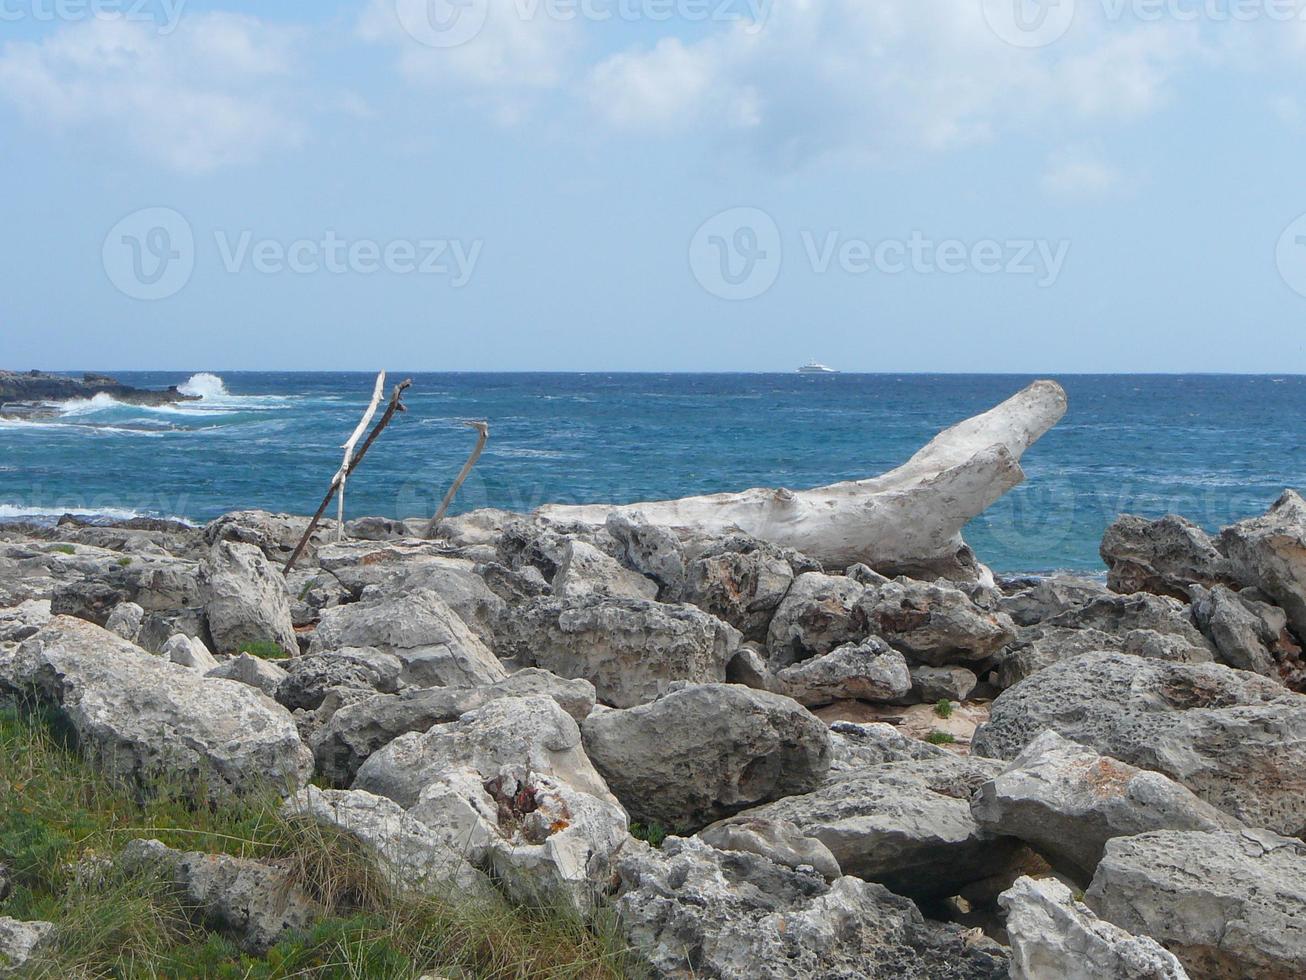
[(686, 373)]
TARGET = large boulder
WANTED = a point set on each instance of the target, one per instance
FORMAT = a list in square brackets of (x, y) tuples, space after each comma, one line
[(435, 646), (1164, 556), (25, 619), (858, 746), (651, 550), (545, 842), (254, 671), (1141, 618), (255, 904), (20, 942), (742, 580), (819, 613), (530, 731), (356, 731), (1249, 634), (245, 599), (276, 535), (1235, 739), (1054, 936), (139, 716), (1028, 602), (93, 583), (309, 680), (1067, 801), (412, 856), (690, 910), (631, 650), (906, 825), (365, 570), (777, 840), (1269, 552), (865, 671), (1228, 904), (706, 751), (934, 624), (585, 570), (1042, 645)]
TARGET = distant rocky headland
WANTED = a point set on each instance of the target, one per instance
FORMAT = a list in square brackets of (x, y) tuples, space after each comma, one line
[(28, 393)]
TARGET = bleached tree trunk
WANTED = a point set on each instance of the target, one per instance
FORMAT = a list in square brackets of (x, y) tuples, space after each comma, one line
[(908, 518)]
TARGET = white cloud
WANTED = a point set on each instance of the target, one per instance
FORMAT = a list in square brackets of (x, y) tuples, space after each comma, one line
[(850, 76), (1125, 76), (1079, 175), (502, 51), (197, 99)]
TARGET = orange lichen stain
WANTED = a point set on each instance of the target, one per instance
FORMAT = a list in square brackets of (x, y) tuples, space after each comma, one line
[(1107, 777)]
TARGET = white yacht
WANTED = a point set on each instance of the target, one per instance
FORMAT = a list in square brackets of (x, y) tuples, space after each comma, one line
[(815, 367)]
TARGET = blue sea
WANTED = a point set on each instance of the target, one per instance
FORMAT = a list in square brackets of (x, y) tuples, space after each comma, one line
[(1213, 448)]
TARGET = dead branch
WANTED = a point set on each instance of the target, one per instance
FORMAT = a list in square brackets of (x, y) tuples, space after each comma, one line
[(342, 475), (396, 405), (483, 430)]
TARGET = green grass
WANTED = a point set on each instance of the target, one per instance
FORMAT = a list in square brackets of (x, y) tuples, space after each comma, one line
[(64, 549), (264, 649), (62, 825), (944, 708), (652, 833), (937, 737), (124, 561)]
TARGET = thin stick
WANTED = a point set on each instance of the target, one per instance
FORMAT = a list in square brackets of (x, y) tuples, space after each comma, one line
[(483, 428), (342, 475), (395, 406)]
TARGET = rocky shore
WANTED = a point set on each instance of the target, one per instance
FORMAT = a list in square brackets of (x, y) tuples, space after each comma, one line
[(27, 395), (749, 760)]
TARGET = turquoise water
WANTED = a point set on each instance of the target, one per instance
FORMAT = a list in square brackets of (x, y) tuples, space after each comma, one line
[(1214, 448)]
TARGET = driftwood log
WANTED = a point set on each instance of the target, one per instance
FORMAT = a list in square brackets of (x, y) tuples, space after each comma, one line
[(482, 435), (907, 521), (396, 405)]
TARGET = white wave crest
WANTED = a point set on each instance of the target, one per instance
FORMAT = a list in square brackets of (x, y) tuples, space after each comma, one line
[(86, 406), (9, 512), (204, 385)]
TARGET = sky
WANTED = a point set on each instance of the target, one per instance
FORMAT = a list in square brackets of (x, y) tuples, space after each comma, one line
[(1023, 186)]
